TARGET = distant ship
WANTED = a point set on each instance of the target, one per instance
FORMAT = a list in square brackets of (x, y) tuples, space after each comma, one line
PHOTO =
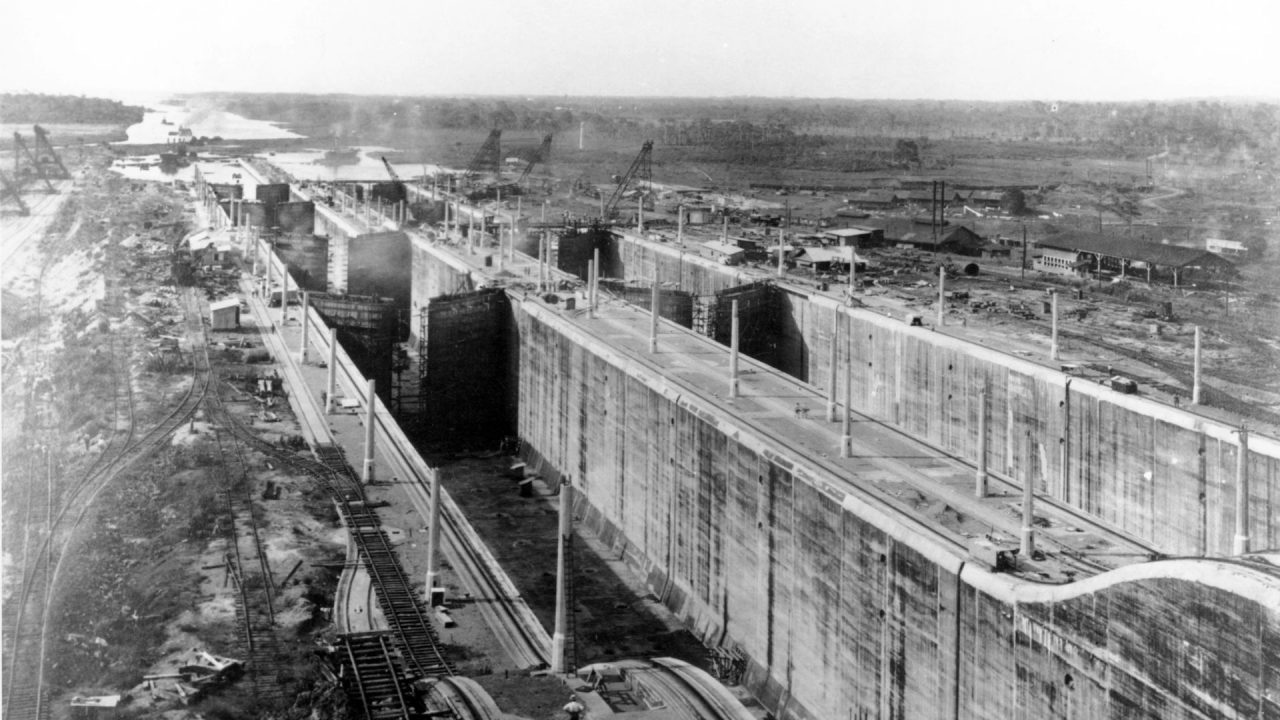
[(165, 121)]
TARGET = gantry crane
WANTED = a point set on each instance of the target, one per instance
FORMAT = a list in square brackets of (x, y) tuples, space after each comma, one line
[(639, 167)]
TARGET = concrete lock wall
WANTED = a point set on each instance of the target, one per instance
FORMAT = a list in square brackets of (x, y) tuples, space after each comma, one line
[(844, 607), (435, 273), (622, 257), (1159, 473), (1163, 474)]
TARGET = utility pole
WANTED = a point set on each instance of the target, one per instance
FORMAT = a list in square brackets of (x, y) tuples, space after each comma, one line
[(595, 283), (942, 294), (1024, 252), (370, 401), (846, 434), (781, 253), (653, 316), (733, 351), (302, 352), (831, 374), (591, 284), (1028, 504), (1240, 545), (565, 536), (980, 477), (331, 381), (1053, 343), (433, 536), (1195, 383)]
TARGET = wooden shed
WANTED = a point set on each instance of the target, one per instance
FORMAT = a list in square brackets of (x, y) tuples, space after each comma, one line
[(225, 314)]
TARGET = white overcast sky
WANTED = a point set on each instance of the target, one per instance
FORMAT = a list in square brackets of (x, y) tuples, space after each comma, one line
[(958, 49)]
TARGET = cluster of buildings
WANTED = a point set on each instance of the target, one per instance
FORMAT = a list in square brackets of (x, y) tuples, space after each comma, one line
[(1077, 254)]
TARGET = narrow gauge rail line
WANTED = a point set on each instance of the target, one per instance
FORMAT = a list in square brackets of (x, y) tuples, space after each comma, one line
[(24, 696), (377, 680), (414, 636), (255, 609), (514, 627)]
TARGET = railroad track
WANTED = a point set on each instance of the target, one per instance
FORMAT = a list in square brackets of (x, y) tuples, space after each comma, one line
[(24, 696), (414, 636), (374, 676), (517, 629), (255, 590)]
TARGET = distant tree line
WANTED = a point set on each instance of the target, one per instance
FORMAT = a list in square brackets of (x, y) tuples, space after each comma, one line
[(36, 108), (1206, 128)]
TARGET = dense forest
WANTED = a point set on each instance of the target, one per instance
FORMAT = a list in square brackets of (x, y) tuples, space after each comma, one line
[(1208, 128), (34, 108)]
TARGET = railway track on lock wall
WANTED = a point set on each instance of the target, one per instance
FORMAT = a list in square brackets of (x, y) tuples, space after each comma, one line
[(412, 635), (25, 695), (514, 628)]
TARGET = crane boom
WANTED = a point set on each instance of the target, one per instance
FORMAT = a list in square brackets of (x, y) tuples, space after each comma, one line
[(541, 156), (42, 143), (640, 166), (36, 167), (390, 170), (489, 156), (10, 190)]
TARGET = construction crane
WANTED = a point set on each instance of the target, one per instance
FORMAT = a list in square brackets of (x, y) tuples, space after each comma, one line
[(42, 143), (489, 157), (541, 156), (391, 171), (394, 192), (36, 167), (639, 167), (10, 190)]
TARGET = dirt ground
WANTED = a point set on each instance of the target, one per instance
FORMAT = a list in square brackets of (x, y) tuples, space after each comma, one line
[(89, 314)]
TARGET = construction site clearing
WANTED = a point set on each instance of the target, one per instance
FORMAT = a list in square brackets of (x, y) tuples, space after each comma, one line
[(192, 482)]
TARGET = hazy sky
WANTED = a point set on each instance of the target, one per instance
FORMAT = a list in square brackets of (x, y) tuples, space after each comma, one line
[(976, 49)]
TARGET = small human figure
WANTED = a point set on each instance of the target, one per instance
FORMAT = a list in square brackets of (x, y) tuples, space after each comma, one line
[(798, 410), (1177, 402), (574, 708)]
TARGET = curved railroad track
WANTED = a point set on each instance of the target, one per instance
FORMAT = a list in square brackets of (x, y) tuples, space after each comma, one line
[(414, 634), (24, 697), (513, 623)]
